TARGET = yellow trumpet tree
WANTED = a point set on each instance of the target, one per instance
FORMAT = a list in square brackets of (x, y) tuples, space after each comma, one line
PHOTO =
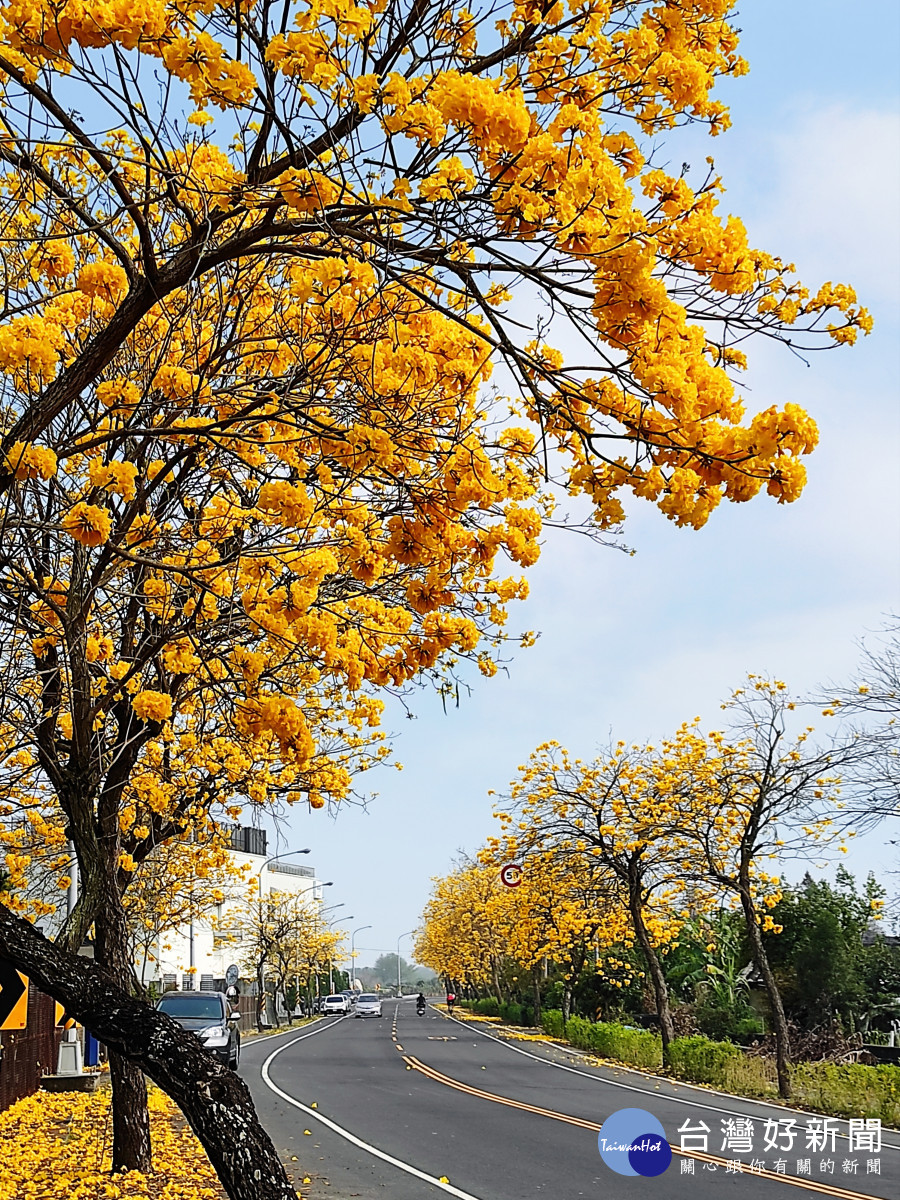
[(258, 262), (760, 792), (461, 936), (565, 910), (280, 937), (697, 819), (620, 812)]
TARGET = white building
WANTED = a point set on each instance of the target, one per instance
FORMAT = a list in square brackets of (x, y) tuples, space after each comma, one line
[(210, 945)]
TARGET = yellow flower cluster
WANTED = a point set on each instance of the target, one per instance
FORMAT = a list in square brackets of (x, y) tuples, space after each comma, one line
[(58, 1144)]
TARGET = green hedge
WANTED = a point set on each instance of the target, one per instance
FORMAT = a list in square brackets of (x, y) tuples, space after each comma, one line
[(840, 1090), (637, 1047), (487, 1008), (553, 1023), (513, 1014), (700, 1060), (849, 1089)]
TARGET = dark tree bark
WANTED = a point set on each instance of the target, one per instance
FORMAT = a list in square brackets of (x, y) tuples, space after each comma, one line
[(131, 1146), (779, 1021), (214, 1100), (657, 976)]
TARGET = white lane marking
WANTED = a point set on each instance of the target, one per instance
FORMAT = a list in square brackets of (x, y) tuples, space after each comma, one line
[(351, 1137), (265, 1037), (629, 1087)]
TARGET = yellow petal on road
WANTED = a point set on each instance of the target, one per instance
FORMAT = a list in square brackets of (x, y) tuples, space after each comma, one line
[(444, 1179), (307, 1132)]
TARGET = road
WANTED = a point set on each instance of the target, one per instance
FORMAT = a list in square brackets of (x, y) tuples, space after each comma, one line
[(396, 1106)]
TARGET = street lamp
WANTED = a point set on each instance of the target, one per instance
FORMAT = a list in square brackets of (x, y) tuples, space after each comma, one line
[(399, 981), (274, 858), (353, 953), (330, 961)]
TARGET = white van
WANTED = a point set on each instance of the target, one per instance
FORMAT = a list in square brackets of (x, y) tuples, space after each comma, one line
[(336, 1004)]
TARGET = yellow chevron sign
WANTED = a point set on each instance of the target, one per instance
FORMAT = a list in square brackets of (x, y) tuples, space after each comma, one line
[(13, 997), (62, 1018)]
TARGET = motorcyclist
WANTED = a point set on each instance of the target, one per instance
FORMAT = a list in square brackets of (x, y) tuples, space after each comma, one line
[(451, 1000), (420, 1003)]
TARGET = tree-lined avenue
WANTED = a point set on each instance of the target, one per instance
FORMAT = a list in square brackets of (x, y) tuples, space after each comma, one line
[(425, 1091)]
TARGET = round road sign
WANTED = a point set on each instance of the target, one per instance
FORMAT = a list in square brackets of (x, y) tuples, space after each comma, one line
[(511, 874)]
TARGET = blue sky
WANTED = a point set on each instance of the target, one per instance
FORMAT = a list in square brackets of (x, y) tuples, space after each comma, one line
[(634, 645)]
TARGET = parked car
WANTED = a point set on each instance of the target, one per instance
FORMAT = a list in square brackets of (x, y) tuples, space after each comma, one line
[(211, 1017), (336, 1004), (368, 1005)]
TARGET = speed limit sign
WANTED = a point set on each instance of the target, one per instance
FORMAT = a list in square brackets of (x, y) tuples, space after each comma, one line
[(511, 874)]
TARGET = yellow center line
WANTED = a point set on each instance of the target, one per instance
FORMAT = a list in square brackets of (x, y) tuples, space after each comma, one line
[(811, 1185)]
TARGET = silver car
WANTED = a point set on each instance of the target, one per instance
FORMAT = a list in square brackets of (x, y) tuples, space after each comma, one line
[(368, 1005)]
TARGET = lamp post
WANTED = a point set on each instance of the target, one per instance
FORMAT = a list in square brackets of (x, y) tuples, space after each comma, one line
[(330, 961), (260, 972), (314, 962), (399, 980), (353, 953), (274, 858)]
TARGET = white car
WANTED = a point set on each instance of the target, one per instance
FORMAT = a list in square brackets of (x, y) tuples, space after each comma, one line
[(336, 1004), (368, 1005)]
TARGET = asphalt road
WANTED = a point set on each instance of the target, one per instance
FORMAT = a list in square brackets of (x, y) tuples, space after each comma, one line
[(392, 1106)]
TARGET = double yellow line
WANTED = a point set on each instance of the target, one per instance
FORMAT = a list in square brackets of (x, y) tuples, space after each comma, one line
[(811, 1185)]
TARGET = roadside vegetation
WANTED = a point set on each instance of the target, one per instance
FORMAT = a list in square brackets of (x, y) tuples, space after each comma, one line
[(649, 921), (260, 263)]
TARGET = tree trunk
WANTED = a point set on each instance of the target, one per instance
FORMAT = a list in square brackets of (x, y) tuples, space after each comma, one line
[(657, 977), (782, 1037), (495, 977), (260, 996), (131, 1147), (214, 1100), (536, 993)]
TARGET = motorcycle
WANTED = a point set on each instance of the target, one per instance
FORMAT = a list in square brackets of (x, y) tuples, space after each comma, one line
[(420, 1009)]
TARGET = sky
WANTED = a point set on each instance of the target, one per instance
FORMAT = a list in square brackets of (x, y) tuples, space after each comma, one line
[(634, 645)]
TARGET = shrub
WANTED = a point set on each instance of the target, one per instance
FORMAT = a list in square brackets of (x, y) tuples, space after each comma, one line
[(699, 1059), (553, 1023), (849, 1089), (722, 1065), (637, 1047), (517, 1014), (487, 1008)]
